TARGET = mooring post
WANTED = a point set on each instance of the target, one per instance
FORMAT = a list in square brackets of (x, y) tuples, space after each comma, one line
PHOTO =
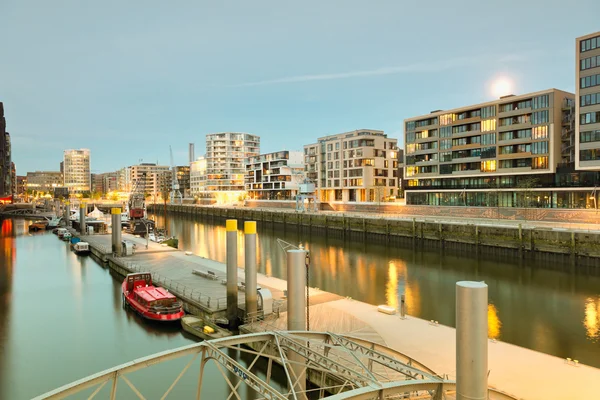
[(82, 213), (116, 231), (250, 268), (232, 281), (403, 307), (66, 213), (296, 286), (471, 340)]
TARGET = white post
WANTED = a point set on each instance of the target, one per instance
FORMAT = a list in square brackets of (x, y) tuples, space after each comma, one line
[(250, 269), (296, 286), (232, 278), (471, 340), (116, 231)]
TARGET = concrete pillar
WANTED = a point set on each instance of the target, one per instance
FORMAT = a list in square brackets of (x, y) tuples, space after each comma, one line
[(67, 213), (116, 231), (232, 281), (471, 340), (82, 213), (296, 287), (250, 267)]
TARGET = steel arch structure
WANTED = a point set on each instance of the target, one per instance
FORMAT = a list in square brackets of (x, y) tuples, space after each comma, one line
[(340, 367)]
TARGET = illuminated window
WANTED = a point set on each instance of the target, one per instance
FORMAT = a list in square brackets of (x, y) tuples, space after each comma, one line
[(410, 148), (539, 163), (488, 125), (446, 119), (411, 171), (488, 166), (539, 132)]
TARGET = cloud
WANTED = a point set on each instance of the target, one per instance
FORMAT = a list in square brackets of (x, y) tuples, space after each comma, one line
[(433, 66)]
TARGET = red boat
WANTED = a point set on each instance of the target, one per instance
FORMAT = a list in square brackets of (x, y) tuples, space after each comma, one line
[(154, 303)]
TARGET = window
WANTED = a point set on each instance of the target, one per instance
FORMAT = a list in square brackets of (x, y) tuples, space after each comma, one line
[(446, 156), (446, 119), (466, 128), (488, 125), (488, 152), (589, 44), (426, 122), (329, 147), (520, 119), (519, 134), (410, 137), (590, 62), (541, 102), (539, 132), (488, 138), (337, 145), (410, 126), (488, 166), (539, 147), (590, 99), (539, 117), (446, 131), (589, 155), (539, 163), (516, 163), (589, 81), (589, 136), (426, 134), (445, 144), (489, 111), (445, 169), (589, 118)]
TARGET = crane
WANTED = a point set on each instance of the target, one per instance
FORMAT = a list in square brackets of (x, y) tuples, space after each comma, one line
[(306, 191), (175, 193)]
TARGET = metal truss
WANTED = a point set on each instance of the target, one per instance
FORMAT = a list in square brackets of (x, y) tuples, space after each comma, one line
[(338, 366)]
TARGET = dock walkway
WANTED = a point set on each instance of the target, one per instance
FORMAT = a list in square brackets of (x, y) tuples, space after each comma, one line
[(521, 372)]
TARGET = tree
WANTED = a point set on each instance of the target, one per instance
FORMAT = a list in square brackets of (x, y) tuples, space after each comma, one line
[(525, 196)]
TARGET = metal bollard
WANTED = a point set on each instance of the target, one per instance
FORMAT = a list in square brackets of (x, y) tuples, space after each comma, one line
[(232, 278), (116, 231), (82, 212), (250, 267), (402, 307)]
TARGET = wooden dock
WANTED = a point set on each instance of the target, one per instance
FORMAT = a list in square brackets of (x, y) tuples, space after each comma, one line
[(521, 372)]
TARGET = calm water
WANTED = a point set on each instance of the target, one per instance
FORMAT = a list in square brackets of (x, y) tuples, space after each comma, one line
[(546, 306), (61, 319)]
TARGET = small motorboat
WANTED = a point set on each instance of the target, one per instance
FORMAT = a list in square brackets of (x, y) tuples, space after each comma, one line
[(60, 232), (66, 236), (151, 302), (81, 248), (203, 328)]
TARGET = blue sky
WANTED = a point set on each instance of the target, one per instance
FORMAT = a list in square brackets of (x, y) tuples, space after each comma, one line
[(129, 78)]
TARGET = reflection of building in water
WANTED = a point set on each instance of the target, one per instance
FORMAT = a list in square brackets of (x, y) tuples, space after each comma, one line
[(391, 287), (590, 321), (494, 323)]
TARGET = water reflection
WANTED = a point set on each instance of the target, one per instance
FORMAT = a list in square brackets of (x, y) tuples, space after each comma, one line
[(555, 311)]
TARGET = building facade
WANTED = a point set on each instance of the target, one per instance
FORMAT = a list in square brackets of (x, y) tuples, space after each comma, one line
[(13, 179), (504, 153), (44, 181), (226, 155), (274, 176), (5, 160), (357, 166), (198, 178), (76, 171), (588, 102), (154, 180), (183, 178), (21, 184)]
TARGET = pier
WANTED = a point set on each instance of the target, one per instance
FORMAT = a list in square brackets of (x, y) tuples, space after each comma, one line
[(198, 282)]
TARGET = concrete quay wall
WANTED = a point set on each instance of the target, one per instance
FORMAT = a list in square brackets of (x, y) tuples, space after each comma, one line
[(578, 245)]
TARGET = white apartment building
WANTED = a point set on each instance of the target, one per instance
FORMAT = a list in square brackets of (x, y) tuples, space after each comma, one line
[(77, 171), (226, 155), (274, 176), (198, 177), (357, 166), (587, 139)]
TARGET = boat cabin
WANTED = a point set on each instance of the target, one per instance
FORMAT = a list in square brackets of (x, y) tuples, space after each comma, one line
[(135, 281)]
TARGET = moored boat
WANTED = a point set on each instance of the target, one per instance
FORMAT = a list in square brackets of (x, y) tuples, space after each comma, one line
[(81, 248), (65, 236), (203, 328), (151, 302), (60, 232), (37, 226)]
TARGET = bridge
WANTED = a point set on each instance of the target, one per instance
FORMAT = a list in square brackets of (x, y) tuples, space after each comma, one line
[(346, 367)]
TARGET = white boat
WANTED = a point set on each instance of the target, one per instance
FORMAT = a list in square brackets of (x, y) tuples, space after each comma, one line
[(154, 237), (81, 248)]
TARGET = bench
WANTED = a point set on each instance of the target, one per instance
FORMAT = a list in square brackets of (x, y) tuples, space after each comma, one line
[(207, 274)]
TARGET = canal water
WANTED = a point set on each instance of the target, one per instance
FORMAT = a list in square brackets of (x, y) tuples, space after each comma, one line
[(548, 306), (61, 319)]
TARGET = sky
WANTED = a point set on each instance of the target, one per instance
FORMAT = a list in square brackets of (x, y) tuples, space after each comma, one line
[(128, 79)]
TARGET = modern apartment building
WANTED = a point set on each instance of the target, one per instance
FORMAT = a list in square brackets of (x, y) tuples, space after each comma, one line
[(360, 166), (13, 179), (5, 160), (44, 181), (587, 154), (226, 155), (21, 184), (153, 179), (509, 153), (183, 177), (198, 178), (274, 176), (77, 176)]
